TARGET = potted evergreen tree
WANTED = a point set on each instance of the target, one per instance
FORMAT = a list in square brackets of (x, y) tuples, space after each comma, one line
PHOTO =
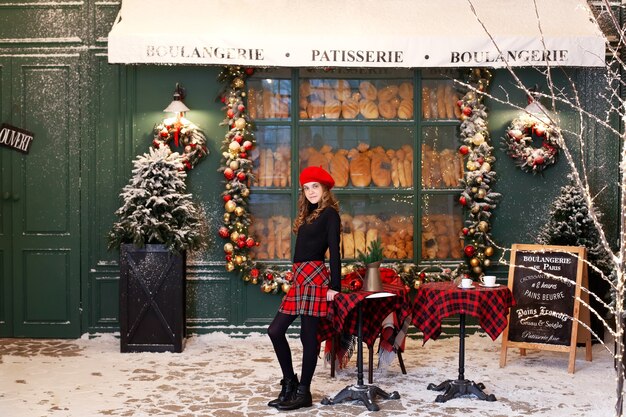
[(158, 223), (372, 259)]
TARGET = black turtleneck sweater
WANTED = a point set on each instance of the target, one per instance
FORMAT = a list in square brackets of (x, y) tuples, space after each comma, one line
[(316, 237)]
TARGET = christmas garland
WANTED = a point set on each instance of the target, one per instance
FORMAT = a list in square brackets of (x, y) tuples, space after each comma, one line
[(185, 133), (519, 143), (477, 197), (237, 171)]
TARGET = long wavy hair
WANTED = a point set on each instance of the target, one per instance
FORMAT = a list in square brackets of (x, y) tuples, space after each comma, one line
[(305, 216)]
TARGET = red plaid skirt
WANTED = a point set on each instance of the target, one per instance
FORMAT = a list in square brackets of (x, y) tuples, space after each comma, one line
[(307, 294)]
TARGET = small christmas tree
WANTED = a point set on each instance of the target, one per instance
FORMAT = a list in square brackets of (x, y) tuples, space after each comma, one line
[(155, 207), (571, 225)]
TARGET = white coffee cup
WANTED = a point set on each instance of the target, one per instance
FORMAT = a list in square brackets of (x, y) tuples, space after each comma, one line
[(466, 283), (488, 280)]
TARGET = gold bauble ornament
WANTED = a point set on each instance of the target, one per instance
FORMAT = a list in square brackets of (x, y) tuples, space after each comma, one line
[(240, 123), (228, 186), (475, 208), (481, 193), (487, 262), (238, 83), (246, 278), (474, 190), (344, 270), (485, 167), (477, 270), (238, 225), (471, 166), (234, 236), (239, 211), (243, 258), (285, 287), (254, 281), (407, 268), (479, 180), (228, 247), (478, 139), (245, 192), (238, 260), (234, 146), (230, 206), (471, 231), (416, 283), (230, 267), (474, 262), (483, 226), (267, 288), (226, 217), (489, 251), (234, 165)]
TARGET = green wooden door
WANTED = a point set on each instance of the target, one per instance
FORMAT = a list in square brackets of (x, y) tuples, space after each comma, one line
[(45, 197)]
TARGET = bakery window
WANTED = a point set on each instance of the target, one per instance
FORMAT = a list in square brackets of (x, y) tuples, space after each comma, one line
[(394, 159)]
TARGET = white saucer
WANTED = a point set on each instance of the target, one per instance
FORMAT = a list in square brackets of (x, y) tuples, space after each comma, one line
[(465, 288), (489, 286)]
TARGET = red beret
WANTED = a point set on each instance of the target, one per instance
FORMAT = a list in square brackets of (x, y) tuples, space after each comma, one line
[(316, 174)]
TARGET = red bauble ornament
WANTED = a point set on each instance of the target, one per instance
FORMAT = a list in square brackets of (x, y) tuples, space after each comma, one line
[(422, 275), (250, 242), (463, 200), (238, 138), (464, 150), (254, 273), (241, 176), (223, 232), (459, 103), (465, 231), (228, 257), (164, 133), (243, 155), (226, 197), (539, 130), (229, 174), (539, 160), (249, 71), (269, 276), (247, 145), (467, 111), (241, 244), (480, 160), (355, 284), (242, 237), (289, 276), (469, 250), (241, 107), (230, 113)]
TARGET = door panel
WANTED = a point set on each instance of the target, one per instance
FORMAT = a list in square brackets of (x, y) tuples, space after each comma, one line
[(6, 290), (46, 191)]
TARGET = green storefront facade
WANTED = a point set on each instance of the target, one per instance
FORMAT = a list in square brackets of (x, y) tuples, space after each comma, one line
[(91, 118)]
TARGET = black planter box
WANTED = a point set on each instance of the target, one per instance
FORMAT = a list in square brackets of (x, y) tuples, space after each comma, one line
[(152, 299)]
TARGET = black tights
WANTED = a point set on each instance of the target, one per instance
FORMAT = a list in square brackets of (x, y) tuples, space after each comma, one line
[(308, 337)]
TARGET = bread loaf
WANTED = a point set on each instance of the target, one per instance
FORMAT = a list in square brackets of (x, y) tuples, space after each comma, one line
[(368, 109), (340, 168), (450, 102), (387, 93), (359, 241), (332, 109), (349, 109), (305, 89), (315, 109), (386, 109), (426, 114), (405, 111), (368, 90), (441, 101), (381, 169), (318, 159), (347, 243), (343, 90), (360, 172), (406, 91)]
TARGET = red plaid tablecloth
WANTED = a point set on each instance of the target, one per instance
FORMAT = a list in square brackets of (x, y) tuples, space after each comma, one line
[(436, 300), (342, 313)]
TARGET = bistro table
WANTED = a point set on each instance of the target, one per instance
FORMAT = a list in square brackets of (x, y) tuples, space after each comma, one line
[(437, 300), (361, 313)]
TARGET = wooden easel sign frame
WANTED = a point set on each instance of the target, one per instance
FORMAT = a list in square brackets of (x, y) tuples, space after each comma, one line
[(546, 283)]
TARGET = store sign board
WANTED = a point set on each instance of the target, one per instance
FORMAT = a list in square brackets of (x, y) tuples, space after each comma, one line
[(360, 33), (16, 138), (548, 283)]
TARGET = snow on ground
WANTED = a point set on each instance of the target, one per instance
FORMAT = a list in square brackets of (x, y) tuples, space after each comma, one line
[(223, 376)]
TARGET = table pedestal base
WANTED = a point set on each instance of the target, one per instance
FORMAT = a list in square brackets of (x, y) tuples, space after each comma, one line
[(364, 393), (455, 388)]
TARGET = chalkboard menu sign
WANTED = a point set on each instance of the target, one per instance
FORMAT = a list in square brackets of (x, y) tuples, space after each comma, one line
[(544, 304), (546, 285)]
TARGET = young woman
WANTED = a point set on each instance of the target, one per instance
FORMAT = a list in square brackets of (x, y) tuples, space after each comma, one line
[(317, 229)]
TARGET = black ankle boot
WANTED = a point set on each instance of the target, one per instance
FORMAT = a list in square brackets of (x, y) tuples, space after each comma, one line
[(302, 398), (290, 385)]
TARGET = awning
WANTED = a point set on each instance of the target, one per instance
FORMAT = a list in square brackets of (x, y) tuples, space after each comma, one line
[(357, 33)]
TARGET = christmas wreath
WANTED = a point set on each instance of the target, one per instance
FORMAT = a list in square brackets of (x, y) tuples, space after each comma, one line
[(477, 197), (519, 143), (183, 133)]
